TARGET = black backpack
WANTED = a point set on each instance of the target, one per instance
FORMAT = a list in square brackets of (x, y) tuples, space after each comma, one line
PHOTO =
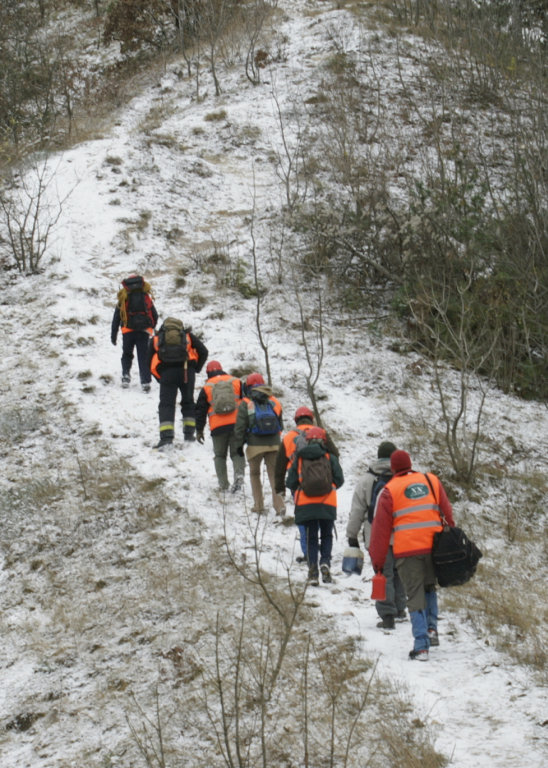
[(455, 557), (378, 484), (172, 342), (138, 317)]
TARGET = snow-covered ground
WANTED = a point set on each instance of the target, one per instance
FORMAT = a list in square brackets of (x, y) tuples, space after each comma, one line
[(140, 202)]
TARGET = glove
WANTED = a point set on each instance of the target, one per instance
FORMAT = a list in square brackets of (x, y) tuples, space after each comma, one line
[(353, 543), (200, 437), (113, 339), (240, 450)]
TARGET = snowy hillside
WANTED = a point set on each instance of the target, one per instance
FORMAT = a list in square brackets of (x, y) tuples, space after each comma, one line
[(122, 570)]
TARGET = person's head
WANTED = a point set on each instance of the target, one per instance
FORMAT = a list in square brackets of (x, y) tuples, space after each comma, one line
[(254, 380), (213, 368), (303, 415), (385, 450), (400, 461)]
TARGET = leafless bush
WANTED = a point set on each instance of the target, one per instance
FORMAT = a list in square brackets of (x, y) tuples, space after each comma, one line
[(30, 209)]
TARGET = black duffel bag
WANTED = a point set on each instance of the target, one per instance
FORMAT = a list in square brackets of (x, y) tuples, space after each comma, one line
[(455, 557)]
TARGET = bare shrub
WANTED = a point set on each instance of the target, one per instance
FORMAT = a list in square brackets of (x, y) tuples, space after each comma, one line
[(30, 211)]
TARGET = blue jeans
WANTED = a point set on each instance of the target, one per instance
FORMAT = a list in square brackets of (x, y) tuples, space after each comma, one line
[(323, 529), (422, 621), (302, 538)]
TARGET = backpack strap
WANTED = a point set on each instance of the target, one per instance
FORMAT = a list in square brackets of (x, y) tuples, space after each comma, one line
[(442, 516)]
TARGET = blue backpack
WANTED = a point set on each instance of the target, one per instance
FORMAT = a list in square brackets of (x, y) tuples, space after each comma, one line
[(265, 420), (378, 484)]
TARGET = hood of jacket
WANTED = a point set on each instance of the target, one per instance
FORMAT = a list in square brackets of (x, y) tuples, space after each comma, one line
[(379, 466), (312, 451), (261, 393)]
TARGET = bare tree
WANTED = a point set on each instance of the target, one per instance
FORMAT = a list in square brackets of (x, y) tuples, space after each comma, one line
[(30, 209), (313, 350)]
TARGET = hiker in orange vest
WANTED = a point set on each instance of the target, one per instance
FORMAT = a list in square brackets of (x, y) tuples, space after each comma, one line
[(304, 419), (219, 400), (136, 314), (316, 500), (409, 507)]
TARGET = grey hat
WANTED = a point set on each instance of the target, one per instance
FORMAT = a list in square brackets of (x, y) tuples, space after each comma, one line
[(386, 449)]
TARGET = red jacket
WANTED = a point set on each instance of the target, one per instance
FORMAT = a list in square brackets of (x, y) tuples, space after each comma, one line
[(408, 508)]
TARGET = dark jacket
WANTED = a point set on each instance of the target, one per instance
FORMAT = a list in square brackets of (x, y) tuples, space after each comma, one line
[(306, 509), (116, 319), (244, 420)]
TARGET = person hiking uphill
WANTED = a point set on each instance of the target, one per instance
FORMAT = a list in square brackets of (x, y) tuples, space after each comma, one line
[(362, 511), (136, 314), (409, 507), (304, 419), (259, 424), (219, 400), (176, 355), (314, 477)]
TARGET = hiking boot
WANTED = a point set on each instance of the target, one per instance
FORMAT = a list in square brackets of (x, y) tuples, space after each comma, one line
[(189, 437), (164, 445), (387, 622), (258, 510), (238, 484), (145, 387), (125, 380), (401, 616), (313, 576), (301, 559), (421, 655), (326, 574), (433, 637)]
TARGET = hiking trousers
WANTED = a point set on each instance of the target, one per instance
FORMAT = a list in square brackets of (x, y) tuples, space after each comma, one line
[(136, 340), (319, 539), (395, 592), (172, 381), (269, 458), (419, 580), (222, 444)]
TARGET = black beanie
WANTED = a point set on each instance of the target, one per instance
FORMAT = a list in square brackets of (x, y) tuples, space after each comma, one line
[(386, 450)]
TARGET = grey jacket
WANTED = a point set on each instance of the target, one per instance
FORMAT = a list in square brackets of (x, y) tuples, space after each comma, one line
[(360, 502)]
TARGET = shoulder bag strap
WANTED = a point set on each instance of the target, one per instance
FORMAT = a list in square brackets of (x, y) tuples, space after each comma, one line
[(442, 517)]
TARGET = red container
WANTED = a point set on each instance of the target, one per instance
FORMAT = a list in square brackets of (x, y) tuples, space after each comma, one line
[(379, 587)]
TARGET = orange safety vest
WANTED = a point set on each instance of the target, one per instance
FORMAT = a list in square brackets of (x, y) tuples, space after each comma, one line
[(222, 419), (415, 513), (191, 352), (302, 499), (289, 442)]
